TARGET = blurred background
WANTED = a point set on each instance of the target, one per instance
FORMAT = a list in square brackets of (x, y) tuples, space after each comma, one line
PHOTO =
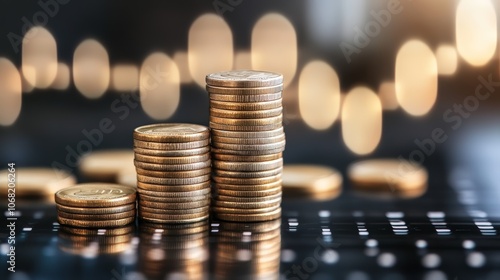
[(363, 78)]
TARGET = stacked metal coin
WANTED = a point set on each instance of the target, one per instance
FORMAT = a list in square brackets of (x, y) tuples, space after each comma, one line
[(172, 162), (247, 141), (96, 205)]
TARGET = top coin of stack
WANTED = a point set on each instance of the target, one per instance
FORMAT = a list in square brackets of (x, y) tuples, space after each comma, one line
[(172, 161), (96, 205), (247, 144)]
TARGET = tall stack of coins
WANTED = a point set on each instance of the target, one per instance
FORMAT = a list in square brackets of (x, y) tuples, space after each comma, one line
[(247, 144), (96, 205), (172, 162)]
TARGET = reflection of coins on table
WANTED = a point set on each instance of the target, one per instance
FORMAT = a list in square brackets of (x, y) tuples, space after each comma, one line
[(96, 205), (172, 163), (387, 174), (34, 182), (104, 166), (94, 241), (311, 181)]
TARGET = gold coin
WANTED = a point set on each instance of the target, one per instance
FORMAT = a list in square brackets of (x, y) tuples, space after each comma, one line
[(175, 205), (174, 174), (181, 199), (177, 216), (171, 132), (172, 153), (248, 166), (244, 199), (247, 174), (248, 122), (232, 114), (174, 211), (98, 232), (96, 211), (247, 134), (247, 153), (35, 182), (173, 194), (170, 146), (95, 195), (241, 147), (250, 217), (106, 164), (172, 167), (172, 160), (173, 188), (244, 79), (238, 193), (245, 128), (387, 174), (176, 220), (247, 181), (250, 188), (244, 90), (172, 181), (248, 205), (95, 224), (307, 179), (250, 98), (248, 141), (96, 217), (236, 158), (251, 106)]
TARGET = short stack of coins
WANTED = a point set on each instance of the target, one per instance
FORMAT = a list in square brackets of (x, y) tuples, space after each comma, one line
[(96, 205), (247, 139), (172, 162)]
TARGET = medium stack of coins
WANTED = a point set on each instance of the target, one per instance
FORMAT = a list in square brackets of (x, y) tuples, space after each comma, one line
[(173, 172), (247, 144), (96, 205)]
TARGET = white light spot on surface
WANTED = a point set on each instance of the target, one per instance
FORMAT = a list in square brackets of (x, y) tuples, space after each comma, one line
[(476, 259), (431, 261), (288, 256), (386, 260)]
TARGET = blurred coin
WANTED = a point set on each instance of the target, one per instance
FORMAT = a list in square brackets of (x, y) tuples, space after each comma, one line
[(171, 132), (172, 153), (95, 195), (244, 78), (310, 179), (170, 146), (95, 224), (96, 211), (35, 182), (172, 181), (106, 164), (127, 177), (97, 217), (172, 160), (387, 174), (250, 217)]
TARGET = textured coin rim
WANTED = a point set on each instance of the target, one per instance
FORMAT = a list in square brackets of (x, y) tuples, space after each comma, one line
[(239, 98), (97, 217), (170, 145), (174, 194), (173, 188), (96, 210), (172, 181), (174, 137), (172, 153), (174, 205), (243, 90), (68, 200), (247, 174), (247, 181), (95, 224), (218, 79), (248, 122), (248, 166), (174, 174), (172, 167), (247, 134), (172, 160), (258, 193), (275, 214), (236, 158), (245, 128), (247, 106)]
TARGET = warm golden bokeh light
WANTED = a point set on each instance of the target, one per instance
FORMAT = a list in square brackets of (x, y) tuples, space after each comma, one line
[(476, 31), (39, 57), (181, 60), (447, 60), (160, 86), (91, 71), (10, 92), (416, 78), (210, 47), (361, 120), (319, 95), (274, 46), (63, 77), (243, 60), (27, 87), (387, 95), (125, 77)]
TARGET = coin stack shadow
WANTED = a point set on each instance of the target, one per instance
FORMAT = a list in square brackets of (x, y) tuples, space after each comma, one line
[(247, 140), (96, 205), (173, 172), (248, 250)]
